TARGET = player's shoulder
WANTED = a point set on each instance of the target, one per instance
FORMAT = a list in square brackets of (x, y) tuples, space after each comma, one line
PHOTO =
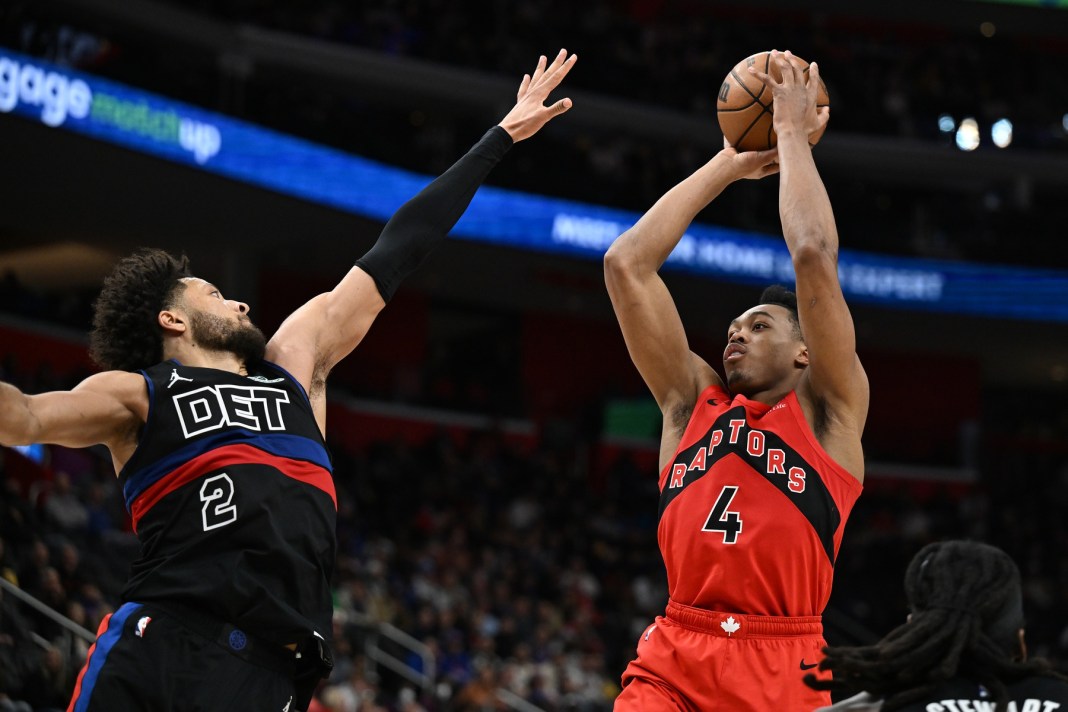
[(1047, 687), (113, 382), (118, 389), (704, 376)]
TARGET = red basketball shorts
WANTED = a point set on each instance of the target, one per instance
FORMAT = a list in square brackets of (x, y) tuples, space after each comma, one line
[(706, 661)]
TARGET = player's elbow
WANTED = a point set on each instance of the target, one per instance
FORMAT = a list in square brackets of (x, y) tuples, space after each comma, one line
[(613, 262), (621, 259), (813, 250), (618, 271), (18, 432)]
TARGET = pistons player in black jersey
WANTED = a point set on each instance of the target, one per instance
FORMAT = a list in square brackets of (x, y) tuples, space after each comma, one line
[(962, 648), (216, 435)]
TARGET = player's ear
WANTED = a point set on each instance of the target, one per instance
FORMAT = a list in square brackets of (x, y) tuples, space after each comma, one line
[(172, 322), (801, 358)]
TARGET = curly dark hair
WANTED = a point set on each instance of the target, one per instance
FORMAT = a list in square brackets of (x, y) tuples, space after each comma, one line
[(966, 605), (783, 297), (126, 335)]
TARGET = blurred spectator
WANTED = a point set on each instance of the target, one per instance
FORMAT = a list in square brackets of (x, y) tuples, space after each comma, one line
[(100, 519), (339, 698), (7, 565), (408, 702), (31, 572), (19, 658), (480, 693), (64, 507)]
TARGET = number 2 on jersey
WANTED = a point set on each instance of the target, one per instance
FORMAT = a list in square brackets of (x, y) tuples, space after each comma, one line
[(216, 493), (721, 520)]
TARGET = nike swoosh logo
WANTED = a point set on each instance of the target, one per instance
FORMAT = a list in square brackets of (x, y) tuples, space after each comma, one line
[(713, 401), (805, 666)]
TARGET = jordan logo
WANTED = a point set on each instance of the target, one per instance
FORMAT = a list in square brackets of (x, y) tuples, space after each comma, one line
[(175, 378)]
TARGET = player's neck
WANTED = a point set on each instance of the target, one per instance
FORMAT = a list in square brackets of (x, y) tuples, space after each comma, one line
[(771, 396), (191, 354)]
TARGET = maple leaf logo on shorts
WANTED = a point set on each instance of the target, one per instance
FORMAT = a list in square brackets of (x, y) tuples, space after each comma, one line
[(730, 625)]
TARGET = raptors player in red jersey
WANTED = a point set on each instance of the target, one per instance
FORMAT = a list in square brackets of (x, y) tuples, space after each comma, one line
[(758, 473), (217, 438)]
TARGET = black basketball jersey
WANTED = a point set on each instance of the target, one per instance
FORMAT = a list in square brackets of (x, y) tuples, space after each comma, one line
[(232, 498), (1032, 694)]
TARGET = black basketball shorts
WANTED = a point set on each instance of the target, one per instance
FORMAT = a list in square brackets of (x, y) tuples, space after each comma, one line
[(146, 660)]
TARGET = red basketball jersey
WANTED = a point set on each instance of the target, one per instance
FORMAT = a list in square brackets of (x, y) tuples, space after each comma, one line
[(752, 509)]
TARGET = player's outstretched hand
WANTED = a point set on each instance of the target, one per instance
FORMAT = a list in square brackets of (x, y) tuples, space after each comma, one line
[(750, 164), (530, 112), (794, 97)]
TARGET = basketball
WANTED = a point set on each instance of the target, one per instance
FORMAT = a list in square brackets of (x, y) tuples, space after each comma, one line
[(744, 104)]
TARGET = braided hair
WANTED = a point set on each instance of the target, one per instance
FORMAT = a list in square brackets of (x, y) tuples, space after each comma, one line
[(126, 334), (967, 609)]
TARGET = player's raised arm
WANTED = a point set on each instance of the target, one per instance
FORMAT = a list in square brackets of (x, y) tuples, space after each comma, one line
[(326, 329), (104, 408), (834, 375), (647, 314)]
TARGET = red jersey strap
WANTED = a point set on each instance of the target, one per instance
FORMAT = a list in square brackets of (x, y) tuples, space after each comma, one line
[(715, 396), (743, 625)]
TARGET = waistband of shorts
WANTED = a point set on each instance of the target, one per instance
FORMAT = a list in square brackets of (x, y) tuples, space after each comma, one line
[(234, 640), (742, 625)]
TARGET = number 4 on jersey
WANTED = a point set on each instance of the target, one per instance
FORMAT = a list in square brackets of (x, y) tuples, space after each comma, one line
[(720, 520)]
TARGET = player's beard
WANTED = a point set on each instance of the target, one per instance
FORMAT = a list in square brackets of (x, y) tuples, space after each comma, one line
[(740, 381), (214, 333)]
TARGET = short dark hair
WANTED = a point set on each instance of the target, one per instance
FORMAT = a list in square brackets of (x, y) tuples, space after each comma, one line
[(966, 605), (126, 335), (783, 297)]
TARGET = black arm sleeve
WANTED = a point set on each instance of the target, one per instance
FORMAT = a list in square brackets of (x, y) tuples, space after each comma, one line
[(424, 221)]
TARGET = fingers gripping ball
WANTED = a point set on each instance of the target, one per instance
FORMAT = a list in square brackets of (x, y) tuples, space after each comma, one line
[(744, 105)]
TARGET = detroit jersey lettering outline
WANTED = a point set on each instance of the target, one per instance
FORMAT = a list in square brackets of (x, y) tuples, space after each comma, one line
[(214, 407)]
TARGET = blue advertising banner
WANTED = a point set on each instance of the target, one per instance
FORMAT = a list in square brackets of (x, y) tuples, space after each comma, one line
[(139, 120)]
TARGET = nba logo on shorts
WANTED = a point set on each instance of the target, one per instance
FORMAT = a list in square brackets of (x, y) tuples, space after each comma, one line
[(141, 625)]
